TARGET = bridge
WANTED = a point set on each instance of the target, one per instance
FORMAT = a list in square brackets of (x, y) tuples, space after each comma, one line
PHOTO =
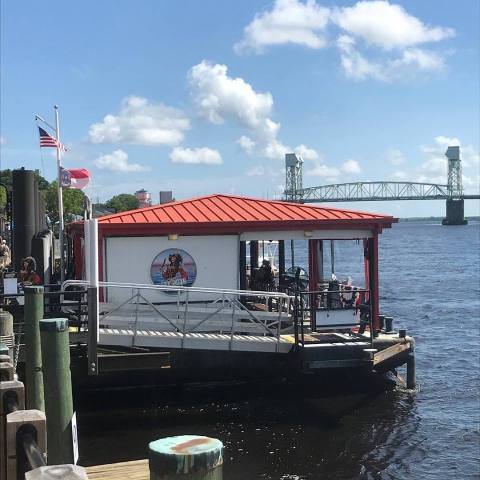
[(452, 192)]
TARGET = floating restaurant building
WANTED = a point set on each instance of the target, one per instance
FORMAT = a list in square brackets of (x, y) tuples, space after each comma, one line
[(185, 276)]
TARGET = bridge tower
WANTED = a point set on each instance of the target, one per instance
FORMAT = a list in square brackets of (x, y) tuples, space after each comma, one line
[(293, 177), (455, 202)]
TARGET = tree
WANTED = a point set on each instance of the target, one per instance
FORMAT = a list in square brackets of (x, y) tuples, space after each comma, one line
[(123, 202), (73, 201)]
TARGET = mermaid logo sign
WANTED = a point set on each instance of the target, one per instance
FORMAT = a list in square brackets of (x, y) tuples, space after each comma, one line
[(173, 267)]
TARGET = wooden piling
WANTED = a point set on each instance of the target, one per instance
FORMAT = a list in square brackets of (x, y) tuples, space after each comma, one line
[(9, 391), (411, 373), (189, 457), (58, 389), (30, 421), (33, 354), (6, 330)]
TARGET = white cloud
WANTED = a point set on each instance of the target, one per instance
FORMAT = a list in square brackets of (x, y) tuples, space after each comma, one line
[(393, 36), (143, 123), (387, 25), (198, 156), (289, 21), (3, 140), (323, 171), (306, 153), (351, 167), (275, 150), (117, 161), (219, 97), (354, 64), (400, 175), (256, 171), (246, 144), (395, 157)]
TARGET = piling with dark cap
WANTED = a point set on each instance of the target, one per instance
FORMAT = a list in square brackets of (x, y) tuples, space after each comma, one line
[(388, 324), (33, 354), (58, 389), (189, 457)]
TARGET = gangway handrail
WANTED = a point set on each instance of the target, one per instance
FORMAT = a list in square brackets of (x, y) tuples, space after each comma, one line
[(145, 286)]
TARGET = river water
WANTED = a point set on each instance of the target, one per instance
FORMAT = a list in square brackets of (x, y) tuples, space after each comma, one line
[(283, 430)]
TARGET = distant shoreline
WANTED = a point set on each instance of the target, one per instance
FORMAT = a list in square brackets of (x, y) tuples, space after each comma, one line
[(433, 219)]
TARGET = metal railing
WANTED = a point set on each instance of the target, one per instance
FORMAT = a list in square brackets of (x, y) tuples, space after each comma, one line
[(330, 301), (231, 309)]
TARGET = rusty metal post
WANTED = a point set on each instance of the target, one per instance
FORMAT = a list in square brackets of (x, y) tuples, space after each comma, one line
[(190, 457)]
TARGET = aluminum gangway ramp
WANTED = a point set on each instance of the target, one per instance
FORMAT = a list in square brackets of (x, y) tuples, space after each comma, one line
[(195, 341), (193, 318)]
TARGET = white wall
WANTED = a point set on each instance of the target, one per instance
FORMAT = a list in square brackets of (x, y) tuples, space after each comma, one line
[(128, 260)]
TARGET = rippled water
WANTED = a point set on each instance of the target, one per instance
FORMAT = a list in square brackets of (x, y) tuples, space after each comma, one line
[(290, 430)]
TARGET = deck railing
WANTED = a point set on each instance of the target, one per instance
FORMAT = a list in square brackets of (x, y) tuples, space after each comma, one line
[(225, 311)]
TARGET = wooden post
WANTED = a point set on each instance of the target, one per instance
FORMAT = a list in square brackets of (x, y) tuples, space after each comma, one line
[(6, 330), (7, 371), (411, 374), (253, 255), (281, 258), (12, 390), (29, 421), (33, 354), (69, 472), (189, 457), (58, 389)]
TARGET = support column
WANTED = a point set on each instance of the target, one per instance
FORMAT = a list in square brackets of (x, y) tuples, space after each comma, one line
[(281, 258), (242, 265), (253, 254), (454, 212), (33, 354), (313, 280), (373, 279), (58, 389)]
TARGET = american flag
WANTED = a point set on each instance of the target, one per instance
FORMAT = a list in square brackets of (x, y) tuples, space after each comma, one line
[(47, 140)]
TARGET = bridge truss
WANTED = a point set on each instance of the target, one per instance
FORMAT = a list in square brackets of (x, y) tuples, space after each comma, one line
[(373, 191)]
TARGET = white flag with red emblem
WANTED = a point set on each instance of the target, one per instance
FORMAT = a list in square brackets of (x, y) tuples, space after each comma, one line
[(75, 178)]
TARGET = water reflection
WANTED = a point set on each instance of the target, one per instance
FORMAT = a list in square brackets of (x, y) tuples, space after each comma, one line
[(271, 429)]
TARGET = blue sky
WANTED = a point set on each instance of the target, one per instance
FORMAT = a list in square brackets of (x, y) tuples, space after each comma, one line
[(203, 97)]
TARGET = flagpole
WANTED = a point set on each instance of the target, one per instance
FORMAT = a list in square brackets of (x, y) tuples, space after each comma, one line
[(60, 198)]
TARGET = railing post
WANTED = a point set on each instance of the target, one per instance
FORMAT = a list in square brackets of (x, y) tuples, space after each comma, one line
[(186, 456), (92, 346), (33, 356), (58, 389)]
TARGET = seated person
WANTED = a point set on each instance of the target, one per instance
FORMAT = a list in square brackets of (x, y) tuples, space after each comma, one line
[(264, 279), (28, 274)]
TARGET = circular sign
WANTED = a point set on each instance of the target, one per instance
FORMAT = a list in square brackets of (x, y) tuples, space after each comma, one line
[(173, 267)]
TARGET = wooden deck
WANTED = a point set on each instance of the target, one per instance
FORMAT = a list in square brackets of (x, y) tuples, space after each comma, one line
[(136, 470)]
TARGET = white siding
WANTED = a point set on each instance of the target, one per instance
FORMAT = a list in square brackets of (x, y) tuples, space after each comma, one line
[(128, 260)]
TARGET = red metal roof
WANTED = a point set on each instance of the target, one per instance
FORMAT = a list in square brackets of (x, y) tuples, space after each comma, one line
[(223, 209)]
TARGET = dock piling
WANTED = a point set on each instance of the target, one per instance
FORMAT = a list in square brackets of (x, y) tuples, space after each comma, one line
[(58, 389), (6, 331), (33, 355), (56, 472), (190, 457), (30, 423), (411, 374)]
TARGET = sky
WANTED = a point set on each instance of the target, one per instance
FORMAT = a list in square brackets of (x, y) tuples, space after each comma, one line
[(207, 96)]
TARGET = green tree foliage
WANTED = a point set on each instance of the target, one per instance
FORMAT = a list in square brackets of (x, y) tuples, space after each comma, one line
[(123, 202), (73, 201)]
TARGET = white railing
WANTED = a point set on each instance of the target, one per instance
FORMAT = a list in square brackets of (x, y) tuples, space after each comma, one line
[(226, 310)]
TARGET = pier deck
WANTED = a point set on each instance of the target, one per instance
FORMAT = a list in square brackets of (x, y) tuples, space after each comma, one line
[(135, 470)]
